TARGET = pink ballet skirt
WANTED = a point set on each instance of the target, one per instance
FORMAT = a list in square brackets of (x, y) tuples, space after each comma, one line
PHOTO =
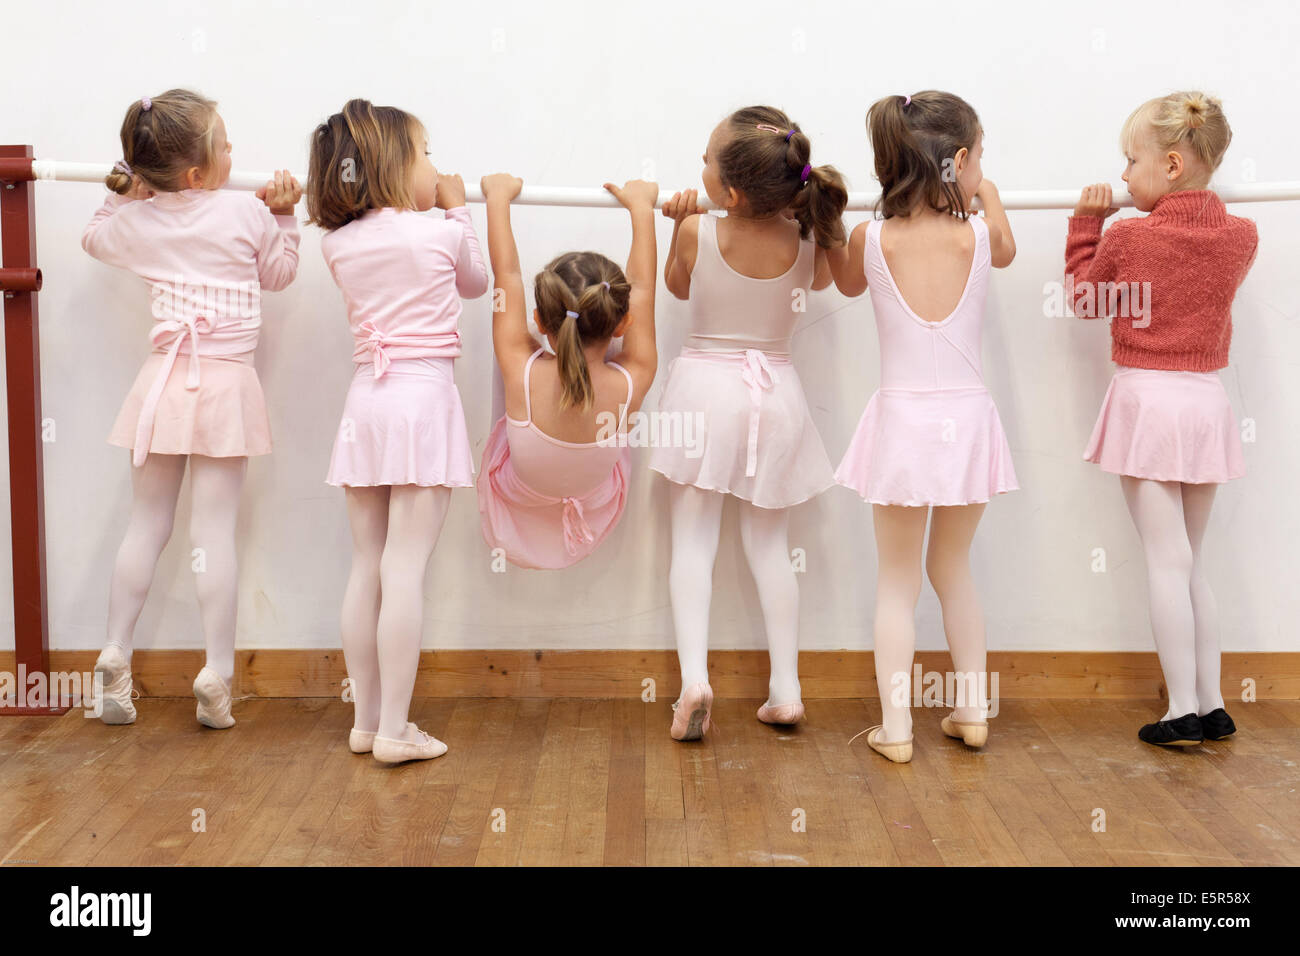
[(223, 417), (544, 531), (1167, 426), (937, 448), (737, 422), (405, 428)]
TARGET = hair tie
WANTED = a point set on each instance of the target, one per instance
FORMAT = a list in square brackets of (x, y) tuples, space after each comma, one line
[(907, 101), (807, 170), (570, 315), (788, 135), (606, 285), (146, 104), (121, 167)]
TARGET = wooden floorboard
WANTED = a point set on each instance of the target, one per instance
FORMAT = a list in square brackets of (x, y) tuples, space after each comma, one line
[(592, 782)]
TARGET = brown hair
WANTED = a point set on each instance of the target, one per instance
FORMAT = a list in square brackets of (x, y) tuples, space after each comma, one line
[(361, 159), (575, 283), (1187, 117), (160, 143), (767, 168), (915, 145)]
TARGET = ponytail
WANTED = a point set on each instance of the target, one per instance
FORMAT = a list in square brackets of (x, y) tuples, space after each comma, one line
[(581, 298), (916, 140)]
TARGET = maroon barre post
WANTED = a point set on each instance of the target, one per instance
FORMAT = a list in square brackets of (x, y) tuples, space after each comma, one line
[(20, 280)]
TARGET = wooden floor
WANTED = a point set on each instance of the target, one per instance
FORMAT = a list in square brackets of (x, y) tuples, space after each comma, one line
[(593, 782)]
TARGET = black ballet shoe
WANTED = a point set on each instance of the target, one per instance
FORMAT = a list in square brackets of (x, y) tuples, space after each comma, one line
[(1184, 731), (1217, 725)]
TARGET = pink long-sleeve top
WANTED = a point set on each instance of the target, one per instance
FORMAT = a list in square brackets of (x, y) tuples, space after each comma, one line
[(403, 275), (207, 254)]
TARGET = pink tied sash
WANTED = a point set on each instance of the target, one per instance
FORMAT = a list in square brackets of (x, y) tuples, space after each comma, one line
[(380, 347), (576, 531), (760, 378), (189, 327)]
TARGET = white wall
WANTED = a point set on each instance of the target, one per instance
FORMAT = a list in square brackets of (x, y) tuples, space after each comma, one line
[(575, 94)]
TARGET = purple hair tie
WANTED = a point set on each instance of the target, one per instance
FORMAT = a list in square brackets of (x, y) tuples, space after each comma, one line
[(606, 285), (121, 167), (570, 315), (807, 170), (146, 104), (788, 135), (907, 101)]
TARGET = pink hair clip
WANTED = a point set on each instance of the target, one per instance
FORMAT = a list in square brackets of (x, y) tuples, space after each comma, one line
[(770, 129)]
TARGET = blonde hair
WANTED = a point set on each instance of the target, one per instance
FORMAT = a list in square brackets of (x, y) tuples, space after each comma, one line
[(581, 298), (1187, 119), (161, 143), (361, 159)]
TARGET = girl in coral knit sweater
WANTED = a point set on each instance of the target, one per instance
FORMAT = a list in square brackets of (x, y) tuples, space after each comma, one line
[(1166, 426)]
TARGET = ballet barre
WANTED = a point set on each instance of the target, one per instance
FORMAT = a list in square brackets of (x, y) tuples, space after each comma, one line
[(54, 170)]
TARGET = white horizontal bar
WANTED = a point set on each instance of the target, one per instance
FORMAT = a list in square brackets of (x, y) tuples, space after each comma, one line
[(57, 170)]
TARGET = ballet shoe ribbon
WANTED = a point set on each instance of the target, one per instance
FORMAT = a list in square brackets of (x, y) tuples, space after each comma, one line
[(760, 378), (576, 531), (187, 327)]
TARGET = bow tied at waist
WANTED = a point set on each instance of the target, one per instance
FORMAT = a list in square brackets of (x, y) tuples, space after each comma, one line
[(383, 346), (180, 330), (760, 378)]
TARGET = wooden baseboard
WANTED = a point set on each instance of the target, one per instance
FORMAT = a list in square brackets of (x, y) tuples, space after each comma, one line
[(736, 674)]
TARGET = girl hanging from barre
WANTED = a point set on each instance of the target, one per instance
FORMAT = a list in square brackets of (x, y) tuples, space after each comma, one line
[(207, 254), (554, 477)]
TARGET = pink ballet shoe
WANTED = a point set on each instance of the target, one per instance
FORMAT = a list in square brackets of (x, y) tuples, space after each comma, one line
[(361, 741), (214, 700), (973, 733), (785, 714), (116, 704), (691, 713), (424, 747), (899, 751)]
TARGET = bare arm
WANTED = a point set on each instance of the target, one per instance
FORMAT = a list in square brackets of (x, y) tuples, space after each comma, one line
[(510, 337), (640, 355), (1002, 244), (847, 264), (683, 210)]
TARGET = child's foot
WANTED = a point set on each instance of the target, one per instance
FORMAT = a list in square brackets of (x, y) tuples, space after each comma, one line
[(899, 751), (691, 712), (361, 741), (973, 733), (1216, 725), (214, 700), (785, 714), (1184, 731), (116, 705), (415, 744)]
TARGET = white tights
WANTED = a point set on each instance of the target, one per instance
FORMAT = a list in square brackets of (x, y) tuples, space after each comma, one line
[(696, 517), (1171, 519), (394, 530), (215, 486), (900, 534)]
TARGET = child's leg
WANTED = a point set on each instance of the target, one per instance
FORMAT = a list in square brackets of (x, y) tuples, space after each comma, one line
[(1197, 502), (900, 534), (696, 518), (1157, 510), (947, 562), (154, 487), (415, 517), (359, 619), (764, 538), (215, 487)]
